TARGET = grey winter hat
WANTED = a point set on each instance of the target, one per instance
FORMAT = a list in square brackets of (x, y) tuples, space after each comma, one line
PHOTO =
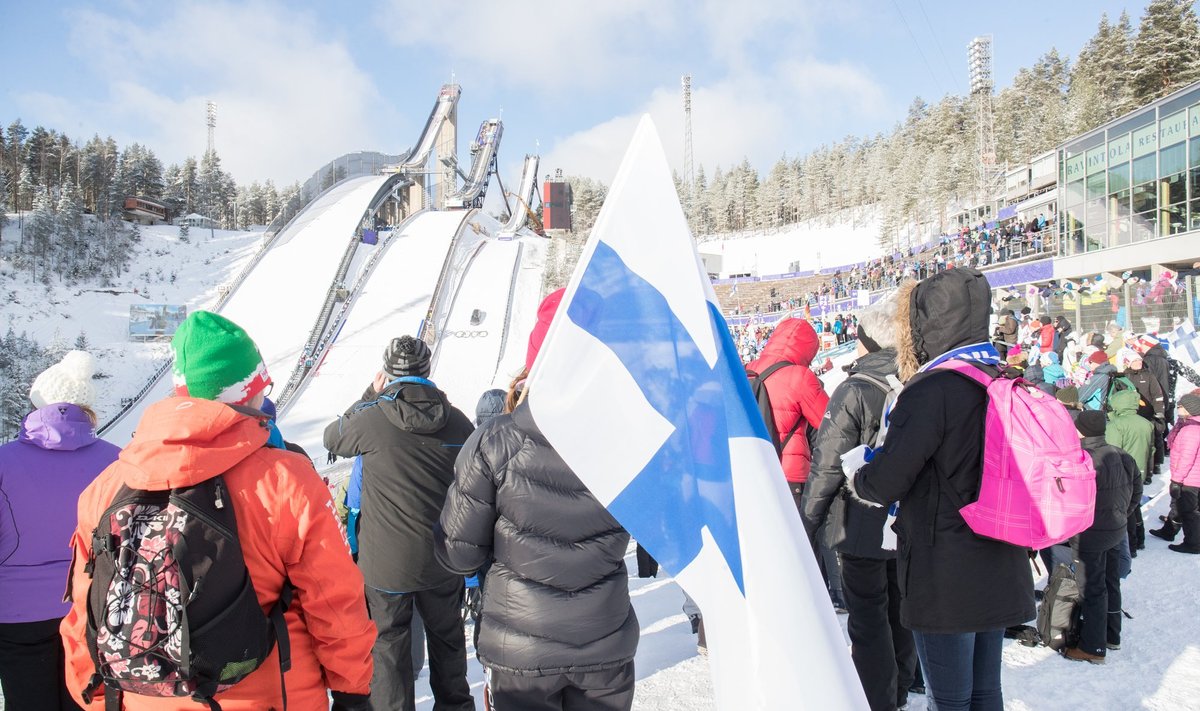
[(1190, 403), (491, 403), (406, 356), (877, 323)]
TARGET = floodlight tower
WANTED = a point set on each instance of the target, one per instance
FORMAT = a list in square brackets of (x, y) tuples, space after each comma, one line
[(689, 173), (979, 65), (211, 121)]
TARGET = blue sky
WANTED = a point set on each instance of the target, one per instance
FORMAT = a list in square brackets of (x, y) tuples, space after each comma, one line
[(299, 83)]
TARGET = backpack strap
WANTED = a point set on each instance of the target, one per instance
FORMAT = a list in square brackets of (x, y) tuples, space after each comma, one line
[(965, 369), (799, 420), (282, 642)]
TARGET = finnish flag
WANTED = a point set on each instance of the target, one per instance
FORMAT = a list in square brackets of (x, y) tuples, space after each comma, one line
[(640, 389)]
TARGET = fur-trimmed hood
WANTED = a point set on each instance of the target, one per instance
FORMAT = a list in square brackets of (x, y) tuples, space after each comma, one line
[(943, 312)]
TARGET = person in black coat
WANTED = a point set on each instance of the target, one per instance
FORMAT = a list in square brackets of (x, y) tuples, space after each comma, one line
[(1156, 361), (1098, 549), (960, 591), (558, 629), (408, 434), (882, 649)]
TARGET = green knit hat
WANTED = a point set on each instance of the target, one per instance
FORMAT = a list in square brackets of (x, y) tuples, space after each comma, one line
[(216, 360)]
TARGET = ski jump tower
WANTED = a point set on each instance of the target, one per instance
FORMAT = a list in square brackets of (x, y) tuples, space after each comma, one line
[(434, 155)]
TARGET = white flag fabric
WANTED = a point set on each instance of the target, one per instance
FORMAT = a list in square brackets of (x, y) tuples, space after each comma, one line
[(1184, 344), (640, 389)]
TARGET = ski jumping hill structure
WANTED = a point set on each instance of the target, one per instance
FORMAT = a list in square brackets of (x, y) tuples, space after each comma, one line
[(325, 294)]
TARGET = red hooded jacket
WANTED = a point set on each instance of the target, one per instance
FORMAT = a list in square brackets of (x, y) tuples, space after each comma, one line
[(796, 393), (288, 529)]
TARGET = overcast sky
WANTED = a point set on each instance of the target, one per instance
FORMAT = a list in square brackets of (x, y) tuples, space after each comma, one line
[(299, 83)]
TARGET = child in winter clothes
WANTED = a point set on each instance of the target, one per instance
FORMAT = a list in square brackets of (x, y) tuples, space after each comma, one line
[(1098, 549), (1184, 443), (1134, 435), (1052, 372)]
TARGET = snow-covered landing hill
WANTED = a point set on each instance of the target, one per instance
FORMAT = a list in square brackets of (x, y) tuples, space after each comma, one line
[(164, 270)]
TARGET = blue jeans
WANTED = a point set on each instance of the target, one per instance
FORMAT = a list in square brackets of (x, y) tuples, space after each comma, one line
[(962, 671)]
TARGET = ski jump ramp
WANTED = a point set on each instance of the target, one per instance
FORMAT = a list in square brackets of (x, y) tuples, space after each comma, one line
[(393, 302), (277, 302)]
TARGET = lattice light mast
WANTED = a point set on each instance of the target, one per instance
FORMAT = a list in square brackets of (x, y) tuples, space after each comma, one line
[(689, 172), (211, 121), (979, 65)]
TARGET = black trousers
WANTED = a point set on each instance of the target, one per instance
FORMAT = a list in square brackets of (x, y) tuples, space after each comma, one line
[(883, 651), (441, 611), (610, 690), (1187, 512), (1100, 599), (827, 558), (31, 667)]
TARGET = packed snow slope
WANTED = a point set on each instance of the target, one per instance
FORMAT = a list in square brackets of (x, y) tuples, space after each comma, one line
[(850, 237), (491, 282), (281, 297)]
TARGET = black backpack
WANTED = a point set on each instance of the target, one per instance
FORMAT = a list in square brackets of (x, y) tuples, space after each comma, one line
[(1058, 612), (171, 608), (758, 386)]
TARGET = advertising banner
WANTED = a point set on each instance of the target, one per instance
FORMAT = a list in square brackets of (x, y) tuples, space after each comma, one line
[(155, 320)]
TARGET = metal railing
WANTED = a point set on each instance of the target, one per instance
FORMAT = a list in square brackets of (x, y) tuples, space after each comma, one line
[(428, 332), (512, 287), (308, 363)]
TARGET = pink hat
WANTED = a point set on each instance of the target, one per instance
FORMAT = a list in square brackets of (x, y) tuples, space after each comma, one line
[(545, 315)]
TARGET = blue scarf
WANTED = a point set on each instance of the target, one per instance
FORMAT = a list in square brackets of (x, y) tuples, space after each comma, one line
[(274, 438), (983, 352)]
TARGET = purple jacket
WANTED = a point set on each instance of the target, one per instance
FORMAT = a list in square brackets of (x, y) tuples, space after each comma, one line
[(56, 455)]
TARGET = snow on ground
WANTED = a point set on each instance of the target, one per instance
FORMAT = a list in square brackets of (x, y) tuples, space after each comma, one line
[(852, 237), (60, 312)]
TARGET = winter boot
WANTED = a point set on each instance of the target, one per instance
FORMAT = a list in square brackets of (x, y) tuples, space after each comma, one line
[(1184, 548), (1167, 532), (1076, 654)]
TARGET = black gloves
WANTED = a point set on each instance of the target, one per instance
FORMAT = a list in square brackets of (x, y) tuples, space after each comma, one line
[(343, 701)]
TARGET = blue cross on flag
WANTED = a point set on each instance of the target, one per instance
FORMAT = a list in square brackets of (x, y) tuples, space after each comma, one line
[(638, 386), (1184, 346)]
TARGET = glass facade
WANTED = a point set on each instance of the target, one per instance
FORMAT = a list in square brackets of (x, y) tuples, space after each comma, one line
[(1136, 180)]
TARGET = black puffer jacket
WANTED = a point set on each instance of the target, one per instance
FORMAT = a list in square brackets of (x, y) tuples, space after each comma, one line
[(1118, 494), (409, 436), (556, 598), (1157, 363), (951, 580), (852, 419)]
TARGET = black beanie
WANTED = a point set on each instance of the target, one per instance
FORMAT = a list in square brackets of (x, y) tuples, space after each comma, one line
[(406, 356), (1091, 423)]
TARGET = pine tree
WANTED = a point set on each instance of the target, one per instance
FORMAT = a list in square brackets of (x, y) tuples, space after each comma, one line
[(3, 197), (1166, 52)]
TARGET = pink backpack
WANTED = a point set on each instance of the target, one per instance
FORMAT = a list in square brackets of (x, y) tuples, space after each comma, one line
[(1039, 485)]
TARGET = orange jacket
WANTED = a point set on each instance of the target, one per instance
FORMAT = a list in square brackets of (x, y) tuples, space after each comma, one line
[(288, 529)]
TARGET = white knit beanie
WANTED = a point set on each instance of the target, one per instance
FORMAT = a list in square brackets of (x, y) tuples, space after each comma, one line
[(69, 380)]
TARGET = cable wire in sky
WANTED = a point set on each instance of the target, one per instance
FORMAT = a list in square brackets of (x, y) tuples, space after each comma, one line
[(920, 51), (954, 79)]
